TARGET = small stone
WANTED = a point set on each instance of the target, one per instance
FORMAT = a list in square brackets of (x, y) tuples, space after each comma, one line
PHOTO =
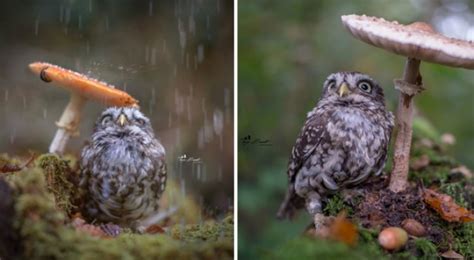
[(393, 238), (448, 139), (414, 227)]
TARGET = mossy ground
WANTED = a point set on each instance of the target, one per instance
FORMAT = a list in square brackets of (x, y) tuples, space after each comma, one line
[(44, 197), (442, 236)]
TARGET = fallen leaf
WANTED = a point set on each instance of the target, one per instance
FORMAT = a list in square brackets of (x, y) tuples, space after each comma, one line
[(7, 168), (154, 229), (450, 254), (447, 207), (343, 230)]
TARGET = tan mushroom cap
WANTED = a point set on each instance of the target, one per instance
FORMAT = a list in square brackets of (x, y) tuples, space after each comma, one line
[(82, 85), (417, 40)]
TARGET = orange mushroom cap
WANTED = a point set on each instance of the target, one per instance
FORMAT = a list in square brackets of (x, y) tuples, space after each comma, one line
[(82, 85)]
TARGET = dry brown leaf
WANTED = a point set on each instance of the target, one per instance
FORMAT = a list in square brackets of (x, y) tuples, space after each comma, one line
[(154, 229), (447, 207), (343, 230), (450, 254)]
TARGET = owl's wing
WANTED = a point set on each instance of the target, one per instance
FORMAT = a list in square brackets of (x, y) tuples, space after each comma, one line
[(309, 138)]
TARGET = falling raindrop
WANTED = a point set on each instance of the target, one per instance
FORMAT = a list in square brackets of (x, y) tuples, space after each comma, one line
[(150, 8), (182, 35), (188, 107), (80, 22), (6, 95), (187, 60), (218, 121), (218, 6), (147, 54), (227, 105), (192, 25), (198, 174), (88, 47), (107, 23), (164, 46), (153, 56), (13, 136), (68, 15), (61, 13), (183, 187), (45, 113), (169, 120), (201, 138), (200, 53), (219, 172), (37, 25), (90, 6)]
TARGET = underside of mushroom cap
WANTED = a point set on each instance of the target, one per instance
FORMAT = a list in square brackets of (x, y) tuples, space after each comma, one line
[(411, 41)]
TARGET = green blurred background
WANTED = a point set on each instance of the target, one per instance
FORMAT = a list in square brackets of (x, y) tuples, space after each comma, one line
[(286, 49)]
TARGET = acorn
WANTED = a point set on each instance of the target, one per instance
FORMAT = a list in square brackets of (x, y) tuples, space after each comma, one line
[(413, 227), (393, 238)]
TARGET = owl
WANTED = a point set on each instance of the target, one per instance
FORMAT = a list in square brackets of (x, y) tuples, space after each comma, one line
[(342, 144), (122, 169)]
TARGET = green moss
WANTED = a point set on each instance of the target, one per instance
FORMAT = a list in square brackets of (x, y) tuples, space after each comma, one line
[(208, 231), (334, 205), (308, 248), (464, 240), (57, 171), (47, 234), (426, 248)]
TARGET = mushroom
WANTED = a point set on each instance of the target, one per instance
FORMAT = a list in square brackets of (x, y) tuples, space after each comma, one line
[(417, 41), (82, 88)]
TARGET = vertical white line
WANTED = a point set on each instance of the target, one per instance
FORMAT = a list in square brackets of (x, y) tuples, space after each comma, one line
[(235, 131)]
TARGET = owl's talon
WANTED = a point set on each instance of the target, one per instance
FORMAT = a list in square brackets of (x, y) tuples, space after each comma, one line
[(111, 229)]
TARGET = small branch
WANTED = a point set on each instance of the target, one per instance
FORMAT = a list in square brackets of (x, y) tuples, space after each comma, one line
[(404, 121)]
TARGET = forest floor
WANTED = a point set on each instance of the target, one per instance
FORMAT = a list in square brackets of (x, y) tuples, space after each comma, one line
[(438, 199), (39, 219)]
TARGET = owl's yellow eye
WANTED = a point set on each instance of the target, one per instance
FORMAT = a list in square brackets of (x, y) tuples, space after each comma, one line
[(365, 86)]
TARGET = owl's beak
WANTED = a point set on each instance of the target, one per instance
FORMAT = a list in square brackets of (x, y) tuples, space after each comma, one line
[(122, 119), (343, 90)]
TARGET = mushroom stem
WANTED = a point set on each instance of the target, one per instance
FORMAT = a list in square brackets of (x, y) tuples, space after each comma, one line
[(68, 124), (404, 120)]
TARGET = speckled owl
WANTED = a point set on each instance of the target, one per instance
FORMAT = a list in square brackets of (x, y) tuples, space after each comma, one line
[(342, 144), (123, 170)]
